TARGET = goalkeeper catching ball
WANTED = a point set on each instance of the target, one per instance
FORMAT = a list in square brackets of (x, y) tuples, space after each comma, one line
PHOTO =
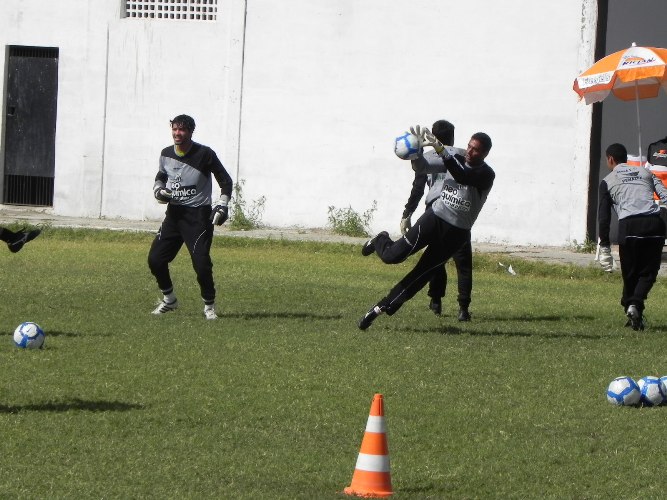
[(443, 228)]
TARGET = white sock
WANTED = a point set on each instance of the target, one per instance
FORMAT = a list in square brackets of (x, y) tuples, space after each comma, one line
[(169, 298), (209, 307)]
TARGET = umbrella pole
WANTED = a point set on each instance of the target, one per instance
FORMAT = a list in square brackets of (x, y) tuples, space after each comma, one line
[(639, 125)]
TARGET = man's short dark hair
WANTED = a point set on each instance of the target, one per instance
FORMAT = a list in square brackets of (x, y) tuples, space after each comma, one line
[(484, 140), (184, 121), (618, 152), (444, 131)]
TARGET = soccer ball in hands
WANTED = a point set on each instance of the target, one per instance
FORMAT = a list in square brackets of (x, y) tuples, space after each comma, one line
[(651, 391), (407, 146), (29, 335), (623, 391)]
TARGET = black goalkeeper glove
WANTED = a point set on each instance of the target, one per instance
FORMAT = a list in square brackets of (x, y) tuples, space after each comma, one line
[(162, 194), (219, 212)]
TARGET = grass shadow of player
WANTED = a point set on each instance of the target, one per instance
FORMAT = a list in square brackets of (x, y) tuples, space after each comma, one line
[(283, 315), (72, 405)]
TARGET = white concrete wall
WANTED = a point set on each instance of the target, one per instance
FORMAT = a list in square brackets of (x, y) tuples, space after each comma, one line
[(326, 86), (120, 81)]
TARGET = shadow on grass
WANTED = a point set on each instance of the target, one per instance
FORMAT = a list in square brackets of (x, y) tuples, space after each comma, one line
[(74, 404), (285, 315), (457, 330), (51, 333)]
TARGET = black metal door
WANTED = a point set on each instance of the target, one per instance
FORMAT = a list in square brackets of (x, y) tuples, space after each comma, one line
[(30, 133)]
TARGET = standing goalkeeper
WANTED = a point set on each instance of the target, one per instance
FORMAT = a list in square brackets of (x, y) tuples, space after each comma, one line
[(641, 232), (184, 184), (444, 132)]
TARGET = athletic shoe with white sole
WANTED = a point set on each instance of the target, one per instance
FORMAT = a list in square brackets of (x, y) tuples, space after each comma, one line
[(635, 317), (164, 307), (209, 313), (21, 238)]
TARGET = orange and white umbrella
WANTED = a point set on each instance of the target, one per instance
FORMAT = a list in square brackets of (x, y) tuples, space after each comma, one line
[(630, 74)]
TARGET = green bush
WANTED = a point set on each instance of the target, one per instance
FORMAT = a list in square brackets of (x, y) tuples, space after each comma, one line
[(348, 222)]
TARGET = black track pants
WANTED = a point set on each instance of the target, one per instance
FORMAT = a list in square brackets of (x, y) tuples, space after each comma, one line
[(192, 227), (440, 240), (463, 260), (640, 264)]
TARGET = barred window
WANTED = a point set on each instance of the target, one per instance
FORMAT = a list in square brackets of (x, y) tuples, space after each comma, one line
[(194, 10)]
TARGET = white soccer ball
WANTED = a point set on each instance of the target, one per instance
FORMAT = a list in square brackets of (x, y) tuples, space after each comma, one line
[(651, 391), (623, 391), (29, 335), (406, 146)]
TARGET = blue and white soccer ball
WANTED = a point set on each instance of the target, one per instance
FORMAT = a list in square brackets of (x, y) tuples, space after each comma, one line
[(407, 146), (29, 335), (663, 386), (623, 391), (651, 391)]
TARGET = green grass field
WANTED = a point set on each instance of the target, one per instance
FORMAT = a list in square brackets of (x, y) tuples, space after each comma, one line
[(271, 401)]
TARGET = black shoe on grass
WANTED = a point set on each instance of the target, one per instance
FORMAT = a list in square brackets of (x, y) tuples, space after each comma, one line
[(464, 315), (635, 317), (436, 306), (369, 317), (369, 246)]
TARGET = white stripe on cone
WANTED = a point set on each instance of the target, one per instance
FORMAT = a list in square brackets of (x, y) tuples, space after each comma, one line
[(376, 424), (373, 463)]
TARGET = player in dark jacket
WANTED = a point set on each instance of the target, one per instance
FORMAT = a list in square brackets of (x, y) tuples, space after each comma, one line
[(183, 182), (444, 132), (443, 228), (641, 232)]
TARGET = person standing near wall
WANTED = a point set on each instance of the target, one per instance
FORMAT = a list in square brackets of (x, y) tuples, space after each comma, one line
[(442, 229), (641, 232), (444, 132), (184, 184)]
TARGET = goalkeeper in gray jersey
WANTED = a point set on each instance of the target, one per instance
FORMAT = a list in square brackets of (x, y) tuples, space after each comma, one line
[(184, 184), (641, 232), (443, 228)]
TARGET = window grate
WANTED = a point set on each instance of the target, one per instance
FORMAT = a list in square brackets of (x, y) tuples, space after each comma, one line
[(28, 190), (193, 10)]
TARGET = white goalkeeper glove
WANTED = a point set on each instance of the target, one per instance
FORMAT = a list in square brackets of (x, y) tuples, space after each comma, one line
[(420, 133), (162, 194), (606, 259), (220, 211), (406, 224), (434, 142)]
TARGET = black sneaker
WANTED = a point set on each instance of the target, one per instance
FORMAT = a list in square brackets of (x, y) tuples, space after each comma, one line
[(436, 306), (464, 315), (635, 317), (369, 246), (369, 317), (21, 238)]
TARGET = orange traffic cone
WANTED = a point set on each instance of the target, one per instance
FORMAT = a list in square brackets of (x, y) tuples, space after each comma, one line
[(371, 475)]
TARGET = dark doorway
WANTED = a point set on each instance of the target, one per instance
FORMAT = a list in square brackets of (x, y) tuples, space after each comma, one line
[(30, 131), (620, 24)]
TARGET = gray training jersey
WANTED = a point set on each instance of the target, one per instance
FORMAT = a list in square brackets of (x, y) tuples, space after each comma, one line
[(435, 180), (458, 203), (631, 190)]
